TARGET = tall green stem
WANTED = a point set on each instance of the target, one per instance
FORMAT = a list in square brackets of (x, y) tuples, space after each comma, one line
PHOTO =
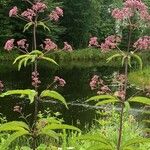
[(36, 89), (125, 91)]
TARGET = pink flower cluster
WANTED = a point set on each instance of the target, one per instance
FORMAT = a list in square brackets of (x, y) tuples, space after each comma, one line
[(93, 42), (49, 45), (56, 14), (13, 11), (142, 43), (121, 14), (29, 14), (35, 79), (120, 78), (67, 47), (110, 43), (1, 86), (39, 7), (9, 45), (59, 81), (120, 94), (17, 108), (22, 44), (97, 83), (129, 8)]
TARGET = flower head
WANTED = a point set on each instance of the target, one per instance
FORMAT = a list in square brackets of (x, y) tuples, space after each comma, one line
[(13, 11), (9, 45), (93, 42), (22, 44), (60, 81), (130, 8), (35, 79), (120, 94), (56, 14), (142, 43), (29, 14), (111, 42), (49, 45), (59, 11), (17, 108), (67, 47), (39, 7)]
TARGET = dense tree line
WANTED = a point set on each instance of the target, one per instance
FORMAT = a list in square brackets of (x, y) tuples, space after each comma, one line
[(82, 20)]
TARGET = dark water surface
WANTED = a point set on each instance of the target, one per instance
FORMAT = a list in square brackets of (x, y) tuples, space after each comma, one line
[(77, 76)]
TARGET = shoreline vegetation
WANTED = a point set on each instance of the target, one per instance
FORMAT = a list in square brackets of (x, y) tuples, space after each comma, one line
[(79, 55)]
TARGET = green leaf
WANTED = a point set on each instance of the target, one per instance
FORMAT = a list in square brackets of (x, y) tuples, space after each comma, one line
[(112, 57), (138, 59), (36, 52), (43, 25), (27, 26), (20, 63), (19, 57), (100, 97), (103, 102), (143, 100), (60, 127), (136, 141), (100, 147), (13, 126), (30, 93), (49, 133), (95, 138), (123, 59), (49, 59), (13, 137), (54, 95)]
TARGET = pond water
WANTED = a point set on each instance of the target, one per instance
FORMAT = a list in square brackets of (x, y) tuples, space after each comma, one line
[(77, 76)]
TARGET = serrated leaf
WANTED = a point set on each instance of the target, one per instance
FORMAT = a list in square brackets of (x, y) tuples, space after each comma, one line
[(49, 133), (19, 57), (20, 64), (95, 138), (13, 137), (136, 141), (112, 57), (142, 100), (27, 26), (103, 102), (36, 52), (60, 127), (43, 25), (99, 147), (13, 126), (49, 59), (55, 95), (100, 97), (30, 93), (138, 59)]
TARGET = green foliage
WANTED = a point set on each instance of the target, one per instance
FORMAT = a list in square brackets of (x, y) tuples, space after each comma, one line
[(142, 100), (55, 95), (27, 26), (32, 56), (103, 99), (31, 94), (128, 57), (140, 78)]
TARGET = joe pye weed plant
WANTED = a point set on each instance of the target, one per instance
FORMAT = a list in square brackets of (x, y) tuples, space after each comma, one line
[(132, 15), (50, 127)]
